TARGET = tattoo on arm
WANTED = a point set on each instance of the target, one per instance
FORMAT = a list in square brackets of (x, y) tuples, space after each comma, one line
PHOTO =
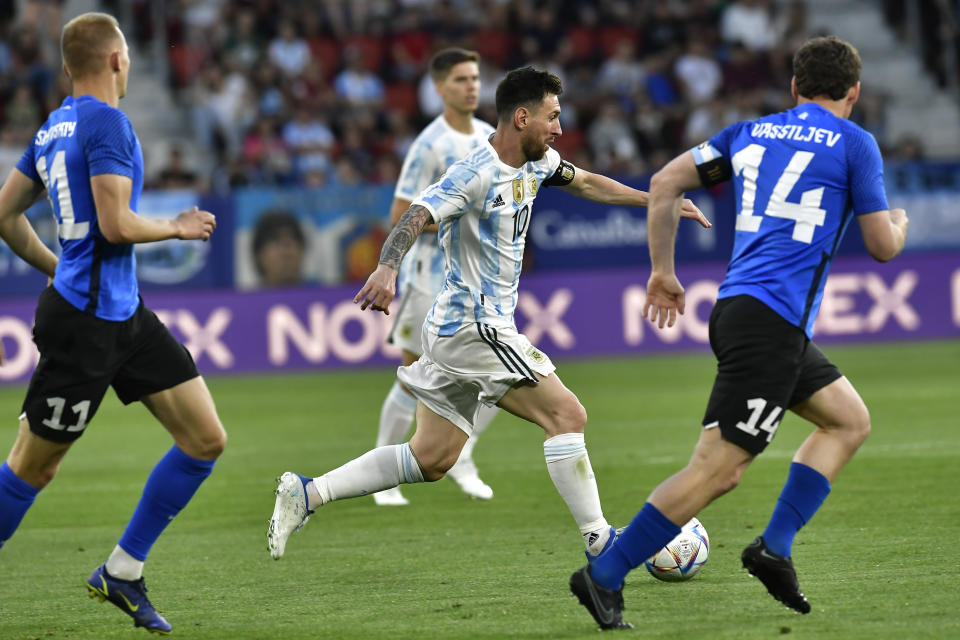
[(407, 229)]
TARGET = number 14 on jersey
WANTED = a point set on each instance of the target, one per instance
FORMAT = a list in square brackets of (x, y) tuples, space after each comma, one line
[(807, 213)]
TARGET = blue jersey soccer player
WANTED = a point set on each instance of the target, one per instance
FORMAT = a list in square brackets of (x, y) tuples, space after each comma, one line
[(800, 177), (91, 327)]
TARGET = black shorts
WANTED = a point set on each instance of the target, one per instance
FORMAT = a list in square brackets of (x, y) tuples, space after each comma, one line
[(765, 366), (81, 355)]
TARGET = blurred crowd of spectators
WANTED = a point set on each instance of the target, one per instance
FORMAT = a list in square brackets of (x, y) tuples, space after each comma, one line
[(333, 92), (31, 84), (936, 27)]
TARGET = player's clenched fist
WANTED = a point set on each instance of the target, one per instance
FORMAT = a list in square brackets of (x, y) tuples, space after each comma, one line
[(195, 224), (899, 217)]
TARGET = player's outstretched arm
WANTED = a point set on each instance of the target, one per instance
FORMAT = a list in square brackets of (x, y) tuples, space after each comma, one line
[(120, 225), (16, 196), (380, 288), (600, 188), (884, 233)]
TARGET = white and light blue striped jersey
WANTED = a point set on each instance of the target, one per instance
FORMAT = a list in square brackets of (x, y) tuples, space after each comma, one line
[(437, 147), (483, 206), (799, 178)]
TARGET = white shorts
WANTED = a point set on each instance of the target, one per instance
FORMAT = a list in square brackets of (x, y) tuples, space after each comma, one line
[(414, 307), (476, 365)]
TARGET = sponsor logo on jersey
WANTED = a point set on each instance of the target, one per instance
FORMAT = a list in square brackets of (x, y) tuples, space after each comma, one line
[(497, 202), (518, 190)]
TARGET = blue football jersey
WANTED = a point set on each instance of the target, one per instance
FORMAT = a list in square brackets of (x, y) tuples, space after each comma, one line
[(81, 139), (799, 178)]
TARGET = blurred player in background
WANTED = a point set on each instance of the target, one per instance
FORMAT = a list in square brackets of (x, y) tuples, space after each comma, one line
[(91, 326), (800, 177), (454, 133), (472, 352)]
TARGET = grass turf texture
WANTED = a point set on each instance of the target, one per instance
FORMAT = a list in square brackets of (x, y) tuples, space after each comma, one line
[(878, 561)]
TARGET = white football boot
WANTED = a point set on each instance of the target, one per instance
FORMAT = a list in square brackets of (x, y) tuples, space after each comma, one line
[(290, 512), (390, 498), (464, 473)]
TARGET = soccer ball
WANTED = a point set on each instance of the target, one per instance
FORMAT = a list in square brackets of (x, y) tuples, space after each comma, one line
[(683, 557)]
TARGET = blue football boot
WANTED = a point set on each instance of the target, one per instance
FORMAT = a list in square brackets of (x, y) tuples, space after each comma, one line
[(130, 596)]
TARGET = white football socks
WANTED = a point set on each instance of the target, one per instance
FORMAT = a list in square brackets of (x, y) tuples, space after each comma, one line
[(376, 470), (396, 416), (485, 415), (123, 566), (572, 475)]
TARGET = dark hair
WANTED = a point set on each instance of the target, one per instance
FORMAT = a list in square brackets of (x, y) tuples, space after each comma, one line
[(445, 59), (523, 87), (826, 66), (274, 224)]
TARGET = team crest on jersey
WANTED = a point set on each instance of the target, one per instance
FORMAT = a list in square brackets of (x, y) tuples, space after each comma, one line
[(536, 355), (518, 190), (532, 183)]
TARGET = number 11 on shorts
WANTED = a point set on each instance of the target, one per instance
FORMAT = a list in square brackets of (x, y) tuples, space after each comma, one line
[(81, 409)]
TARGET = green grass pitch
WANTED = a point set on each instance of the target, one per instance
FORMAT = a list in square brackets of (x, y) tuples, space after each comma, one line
[(878, 561)]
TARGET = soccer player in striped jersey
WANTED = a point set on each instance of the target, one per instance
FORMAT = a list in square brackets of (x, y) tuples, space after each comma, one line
[(92, 329), (800, 177), (451, 135), (473, 354)]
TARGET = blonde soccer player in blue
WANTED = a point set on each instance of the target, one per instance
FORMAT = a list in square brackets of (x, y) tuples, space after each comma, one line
[(91, 327), (473, 355)]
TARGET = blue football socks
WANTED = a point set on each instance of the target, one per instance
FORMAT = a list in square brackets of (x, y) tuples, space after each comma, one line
[(649, 532), (168, 490), (16, 496), (802, 495)]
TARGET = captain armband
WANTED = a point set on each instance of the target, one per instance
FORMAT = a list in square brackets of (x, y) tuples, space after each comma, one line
[(711, 165), (562, 176)]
